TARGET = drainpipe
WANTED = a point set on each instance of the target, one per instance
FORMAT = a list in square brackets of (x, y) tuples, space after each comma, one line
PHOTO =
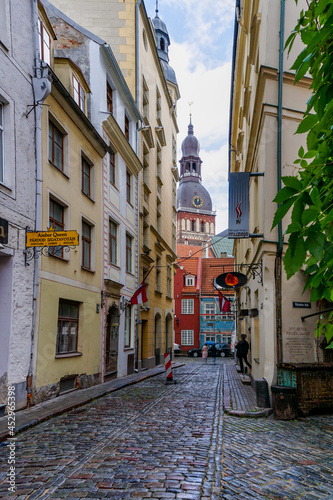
[(234, 49), (38, 203), (278, 260), (137, 78)]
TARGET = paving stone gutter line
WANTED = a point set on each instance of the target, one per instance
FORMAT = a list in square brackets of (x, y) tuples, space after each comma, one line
[(27, 418), (243, 412), (54, 407)]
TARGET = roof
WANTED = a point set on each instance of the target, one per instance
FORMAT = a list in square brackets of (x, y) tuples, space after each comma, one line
[(211, 268), (192, 251), (221, 244)]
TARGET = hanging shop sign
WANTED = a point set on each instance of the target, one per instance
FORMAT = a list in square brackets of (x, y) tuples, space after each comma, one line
[(3, 231), (239, 205), (51, 238), (231, 280)]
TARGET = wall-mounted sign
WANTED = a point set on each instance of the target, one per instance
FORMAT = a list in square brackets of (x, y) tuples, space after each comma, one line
[(3, 231), (231, 280), (302, 305), (52, 238), (238, 226)]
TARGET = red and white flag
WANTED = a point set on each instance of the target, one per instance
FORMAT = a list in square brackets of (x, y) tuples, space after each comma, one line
[(224, 303), (139, 296)]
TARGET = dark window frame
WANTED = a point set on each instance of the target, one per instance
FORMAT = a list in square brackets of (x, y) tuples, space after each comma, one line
[(127, 127), (85, 176), (109, 97), (112, 161), (62, 318), (86, 246), (53, 143), (128, 187), (129, 241)]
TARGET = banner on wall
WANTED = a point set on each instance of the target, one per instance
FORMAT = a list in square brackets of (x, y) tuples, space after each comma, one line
[(239, 205)]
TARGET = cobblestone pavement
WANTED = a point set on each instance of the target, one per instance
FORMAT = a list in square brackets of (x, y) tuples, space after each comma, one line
[(160, 441)]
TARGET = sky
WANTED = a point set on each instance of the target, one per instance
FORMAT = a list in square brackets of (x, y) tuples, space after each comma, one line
[(201, 35)]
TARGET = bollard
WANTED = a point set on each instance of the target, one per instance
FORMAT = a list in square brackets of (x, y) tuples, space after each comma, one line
[(262, 393), (167, 363)]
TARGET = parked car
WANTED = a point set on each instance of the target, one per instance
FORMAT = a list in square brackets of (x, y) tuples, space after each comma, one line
[(176, 349), (222, 351)]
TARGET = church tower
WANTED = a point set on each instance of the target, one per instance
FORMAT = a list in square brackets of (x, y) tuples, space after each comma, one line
[(195, 217)]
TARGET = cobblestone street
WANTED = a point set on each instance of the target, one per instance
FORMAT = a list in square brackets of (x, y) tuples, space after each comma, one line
[(159, 441)]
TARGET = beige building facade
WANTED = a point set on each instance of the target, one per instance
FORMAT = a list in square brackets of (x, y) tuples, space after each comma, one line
[(266, 108)]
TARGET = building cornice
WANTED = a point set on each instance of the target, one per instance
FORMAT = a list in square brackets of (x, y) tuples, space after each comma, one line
[(122, 145)]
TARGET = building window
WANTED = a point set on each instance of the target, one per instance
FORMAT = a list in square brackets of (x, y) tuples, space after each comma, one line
[(127, 128), (79, 94), (44, 43), (187, 337), (145, 98), (1, 143), (202, 226), (109, 97), (158, 275), (128, 253), (113, 243), (128, 187), (187, 306), (86, 177), (56, 146), (56, 220), (192, 225), (128, 325), (158, 103), (189, 281), (112, 157), (169, 282), (209, 311), (86, 246), (68, 326)]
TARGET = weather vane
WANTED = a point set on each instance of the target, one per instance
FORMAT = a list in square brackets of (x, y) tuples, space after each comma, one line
[(190, 104)]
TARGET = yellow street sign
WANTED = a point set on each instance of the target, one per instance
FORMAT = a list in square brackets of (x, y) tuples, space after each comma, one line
[(52, 238)]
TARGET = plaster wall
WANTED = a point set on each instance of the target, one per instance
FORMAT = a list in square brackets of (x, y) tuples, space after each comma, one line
[(17, 191)]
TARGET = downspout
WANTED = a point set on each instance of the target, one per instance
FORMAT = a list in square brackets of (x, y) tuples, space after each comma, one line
[(234, 50), (278, 260), (137, 78), (38, 201)]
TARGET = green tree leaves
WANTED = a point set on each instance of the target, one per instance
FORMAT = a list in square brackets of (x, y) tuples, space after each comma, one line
[(310, 192)]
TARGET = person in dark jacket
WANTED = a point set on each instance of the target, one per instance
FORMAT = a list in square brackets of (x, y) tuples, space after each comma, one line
[(213, 352), (242, 350)]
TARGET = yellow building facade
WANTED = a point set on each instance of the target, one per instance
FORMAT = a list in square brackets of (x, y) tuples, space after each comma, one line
[(67, 340)]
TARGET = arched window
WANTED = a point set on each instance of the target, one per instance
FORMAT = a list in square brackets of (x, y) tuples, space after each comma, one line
[(192, 224), (194, 167), (187, 167), (202, 226), (162, 44)]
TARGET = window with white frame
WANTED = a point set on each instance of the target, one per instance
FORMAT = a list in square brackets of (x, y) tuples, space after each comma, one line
[(79, 94), (87, 248), (129, 187), (209, 311), (113, 172), (87, 179), (68, 326), (44, 43), (113, 242), (129, 240), (187, 306), (187, 337), (189, 281)]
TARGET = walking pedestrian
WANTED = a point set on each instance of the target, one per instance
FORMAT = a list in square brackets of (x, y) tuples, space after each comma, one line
[(213, 353), (204, 351), (242, 350)]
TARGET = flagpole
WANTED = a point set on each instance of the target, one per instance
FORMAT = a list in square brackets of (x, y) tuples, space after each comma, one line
[(146, 276)]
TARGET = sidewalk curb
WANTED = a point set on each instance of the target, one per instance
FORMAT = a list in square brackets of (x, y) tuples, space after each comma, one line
[(264, 412), (55, 412)]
